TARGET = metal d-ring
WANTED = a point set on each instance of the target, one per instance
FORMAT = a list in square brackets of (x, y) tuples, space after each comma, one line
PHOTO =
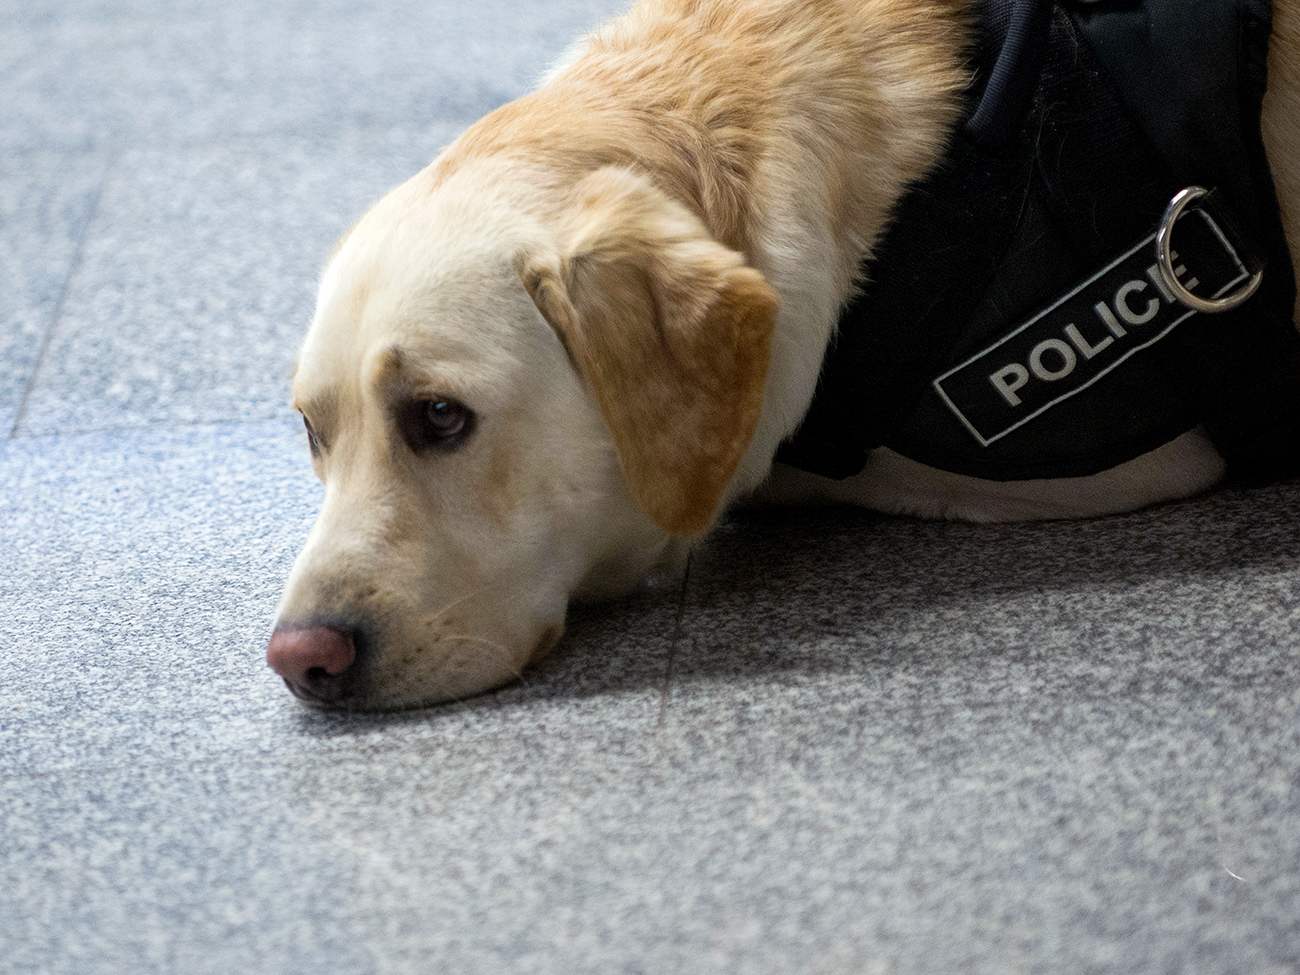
[(1165, 260)]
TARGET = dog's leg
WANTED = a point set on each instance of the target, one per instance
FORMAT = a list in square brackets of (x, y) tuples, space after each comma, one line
[(1282, 120)]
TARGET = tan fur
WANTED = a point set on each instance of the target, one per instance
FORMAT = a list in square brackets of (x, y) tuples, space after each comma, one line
[(670, 330), (714, 98), (740, 112), (631, 276)]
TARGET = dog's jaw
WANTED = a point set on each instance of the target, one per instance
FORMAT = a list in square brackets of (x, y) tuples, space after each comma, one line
[(460, 567), (453, 570)]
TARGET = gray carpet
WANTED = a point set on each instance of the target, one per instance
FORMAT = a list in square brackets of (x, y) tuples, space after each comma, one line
[(848, 744)]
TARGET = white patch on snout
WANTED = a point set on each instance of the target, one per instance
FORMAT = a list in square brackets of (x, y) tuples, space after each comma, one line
[(465, 560)]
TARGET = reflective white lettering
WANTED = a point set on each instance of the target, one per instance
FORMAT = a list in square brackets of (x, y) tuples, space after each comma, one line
[(1080, 343), (1127, 313), (1158, 280), (1060, 348), (1106, 315), (1008, 379)]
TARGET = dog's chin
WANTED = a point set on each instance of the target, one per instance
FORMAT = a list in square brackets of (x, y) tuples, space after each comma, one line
[(379, 702), (377, 692)]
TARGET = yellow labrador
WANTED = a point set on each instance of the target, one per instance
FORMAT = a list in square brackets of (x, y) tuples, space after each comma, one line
[(545, 364)]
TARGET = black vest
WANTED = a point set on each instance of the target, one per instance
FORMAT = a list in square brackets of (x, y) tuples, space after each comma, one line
[(1012, 324)]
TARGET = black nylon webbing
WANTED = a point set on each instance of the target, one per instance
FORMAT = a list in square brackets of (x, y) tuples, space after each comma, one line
[(961, 218), (1240, 371), (1009, 222), (912, 320)]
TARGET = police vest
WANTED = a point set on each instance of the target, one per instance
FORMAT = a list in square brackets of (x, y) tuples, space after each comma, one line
[(1097, 266)]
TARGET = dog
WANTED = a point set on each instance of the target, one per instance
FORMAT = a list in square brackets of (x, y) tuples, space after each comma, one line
[(543, 367)]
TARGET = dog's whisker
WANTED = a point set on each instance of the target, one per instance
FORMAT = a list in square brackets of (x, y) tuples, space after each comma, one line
[(499, 651), (605, 453), (454, 603)]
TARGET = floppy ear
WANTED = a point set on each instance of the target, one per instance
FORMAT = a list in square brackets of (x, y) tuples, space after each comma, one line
[(671, 333)]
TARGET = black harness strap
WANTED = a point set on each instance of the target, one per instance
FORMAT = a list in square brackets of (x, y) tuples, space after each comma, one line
[(1014, 76), (1241, 371), (1050, 179), (910, 312)]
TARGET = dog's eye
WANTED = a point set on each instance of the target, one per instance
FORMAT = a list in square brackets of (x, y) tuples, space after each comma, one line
[(439, 423), (313, 441)]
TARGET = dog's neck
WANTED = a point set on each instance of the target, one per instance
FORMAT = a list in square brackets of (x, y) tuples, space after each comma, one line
[(791, 128), (717, 102)]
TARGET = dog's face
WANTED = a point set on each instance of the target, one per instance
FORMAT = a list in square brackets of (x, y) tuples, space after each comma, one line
[(507, 408)]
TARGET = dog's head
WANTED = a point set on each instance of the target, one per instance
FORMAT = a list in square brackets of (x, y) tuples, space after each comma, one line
[(513, 396)]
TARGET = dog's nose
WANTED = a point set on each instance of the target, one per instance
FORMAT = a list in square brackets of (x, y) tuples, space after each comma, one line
[(312, 659)]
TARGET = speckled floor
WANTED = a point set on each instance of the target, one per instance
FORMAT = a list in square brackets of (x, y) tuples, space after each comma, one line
[(848, 745)]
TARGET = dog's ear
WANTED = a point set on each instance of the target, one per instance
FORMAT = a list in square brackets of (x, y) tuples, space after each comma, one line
[(671, 333)]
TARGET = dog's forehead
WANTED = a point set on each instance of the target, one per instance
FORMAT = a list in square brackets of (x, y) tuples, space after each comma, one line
[(423, 276)]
